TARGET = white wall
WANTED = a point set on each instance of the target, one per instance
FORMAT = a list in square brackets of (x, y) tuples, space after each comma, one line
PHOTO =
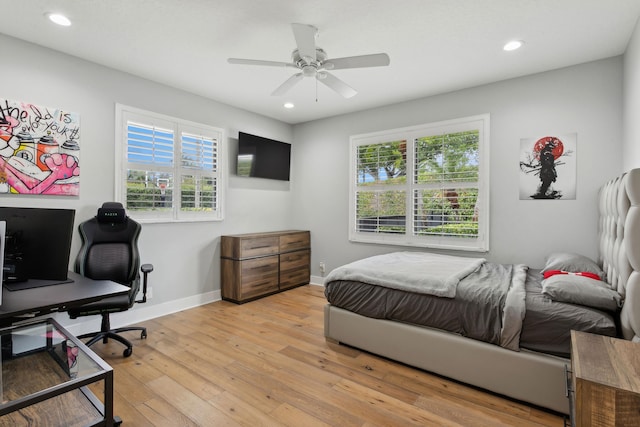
[(586, 99), (631, 121), (186, 255)]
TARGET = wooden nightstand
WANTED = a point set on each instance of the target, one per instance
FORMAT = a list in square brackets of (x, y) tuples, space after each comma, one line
[(605, 380)]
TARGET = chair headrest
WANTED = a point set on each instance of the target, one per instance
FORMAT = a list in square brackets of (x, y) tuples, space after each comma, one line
[(111, 212)]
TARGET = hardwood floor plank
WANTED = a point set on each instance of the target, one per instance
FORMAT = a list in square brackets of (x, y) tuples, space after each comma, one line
[(226, 378), (329, 408), (268, 363), (195, 408), (282, 389), (244, 413), (197, 384), (391, 407), (159, 412), (294, 417)]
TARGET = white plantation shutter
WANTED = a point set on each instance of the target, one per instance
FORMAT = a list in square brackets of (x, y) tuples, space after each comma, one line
[(149, 145), (199, 152), (446, 184), (169, 169), (149, 154), (200, 173), (381, 187), (422, 186)]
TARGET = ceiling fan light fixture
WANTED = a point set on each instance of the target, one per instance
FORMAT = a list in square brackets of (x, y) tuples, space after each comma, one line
[(309, 71), (58, 18), (513, 45)]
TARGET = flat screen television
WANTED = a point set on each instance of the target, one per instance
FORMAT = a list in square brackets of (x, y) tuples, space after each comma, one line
[(261, 157), (37, 243)]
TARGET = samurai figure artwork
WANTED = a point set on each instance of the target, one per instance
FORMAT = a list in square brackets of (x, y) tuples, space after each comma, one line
[(543, 161)]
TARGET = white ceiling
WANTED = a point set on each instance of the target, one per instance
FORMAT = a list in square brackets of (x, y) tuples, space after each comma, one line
[(435, 46)]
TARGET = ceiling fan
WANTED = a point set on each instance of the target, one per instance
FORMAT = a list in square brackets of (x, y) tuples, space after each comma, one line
[(312, 61)]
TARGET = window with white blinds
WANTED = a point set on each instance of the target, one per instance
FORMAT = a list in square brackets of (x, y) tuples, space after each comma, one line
[(424, 185), (167, 169)]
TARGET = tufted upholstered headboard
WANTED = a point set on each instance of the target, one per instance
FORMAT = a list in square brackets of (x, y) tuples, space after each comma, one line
[(619, 251)]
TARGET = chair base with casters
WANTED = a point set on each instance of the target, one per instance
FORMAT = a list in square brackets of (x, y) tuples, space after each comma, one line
[(107, 333), (110, 252)]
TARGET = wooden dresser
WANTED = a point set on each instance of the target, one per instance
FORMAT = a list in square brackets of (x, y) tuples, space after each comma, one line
[(605, 381), (259, 264)]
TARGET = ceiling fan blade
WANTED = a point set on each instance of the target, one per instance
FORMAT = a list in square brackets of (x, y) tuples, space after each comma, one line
[(373, 60), (287, 85), (305, 36), (260, 62), (336, 84)]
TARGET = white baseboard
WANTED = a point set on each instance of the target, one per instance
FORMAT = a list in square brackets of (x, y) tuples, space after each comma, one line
[(139, 313), (317, 280)]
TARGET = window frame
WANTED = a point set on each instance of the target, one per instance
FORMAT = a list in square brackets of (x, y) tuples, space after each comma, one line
[(410, 134), (125, 115)]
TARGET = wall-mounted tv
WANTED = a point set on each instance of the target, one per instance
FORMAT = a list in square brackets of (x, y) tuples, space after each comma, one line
[(261, 157)]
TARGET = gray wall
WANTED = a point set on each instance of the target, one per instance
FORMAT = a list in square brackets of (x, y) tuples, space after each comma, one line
[(185, 255), (585, 99), (631, 123)]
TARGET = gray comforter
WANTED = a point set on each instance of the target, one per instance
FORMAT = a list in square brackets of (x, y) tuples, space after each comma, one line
[(489, 303)]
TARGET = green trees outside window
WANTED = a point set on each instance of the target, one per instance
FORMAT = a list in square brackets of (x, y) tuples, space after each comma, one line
[(442, 192)]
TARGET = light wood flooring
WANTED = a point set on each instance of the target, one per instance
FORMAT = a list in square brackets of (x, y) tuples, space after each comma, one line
[(267, 363)]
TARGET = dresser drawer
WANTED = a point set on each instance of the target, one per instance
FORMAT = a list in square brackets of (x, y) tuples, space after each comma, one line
[(258, 246), (249, 247), (294, 268), (259, 276), (295, 241)]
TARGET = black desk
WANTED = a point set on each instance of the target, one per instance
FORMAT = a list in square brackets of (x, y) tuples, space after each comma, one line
[(27, 303)]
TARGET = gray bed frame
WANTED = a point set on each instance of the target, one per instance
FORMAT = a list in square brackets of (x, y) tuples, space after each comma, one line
[(532, 377)]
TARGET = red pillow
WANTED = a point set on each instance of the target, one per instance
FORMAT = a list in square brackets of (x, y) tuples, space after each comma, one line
[(550, 273)]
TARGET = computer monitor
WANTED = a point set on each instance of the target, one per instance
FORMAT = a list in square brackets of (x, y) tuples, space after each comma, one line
[(37, 243), (3, 228)]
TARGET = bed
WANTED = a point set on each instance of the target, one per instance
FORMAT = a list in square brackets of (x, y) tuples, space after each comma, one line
[(505, 351)]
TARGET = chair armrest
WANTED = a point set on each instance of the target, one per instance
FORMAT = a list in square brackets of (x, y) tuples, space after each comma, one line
[(146, 269)]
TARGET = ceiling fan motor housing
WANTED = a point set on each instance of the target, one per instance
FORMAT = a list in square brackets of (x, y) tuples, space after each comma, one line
[(309, 66)]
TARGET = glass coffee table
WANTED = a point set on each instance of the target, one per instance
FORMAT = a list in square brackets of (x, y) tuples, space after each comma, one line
[(45, 379)]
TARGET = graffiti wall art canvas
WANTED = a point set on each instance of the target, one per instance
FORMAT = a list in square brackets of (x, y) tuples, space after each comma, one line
[(548, 167), (39, 150)]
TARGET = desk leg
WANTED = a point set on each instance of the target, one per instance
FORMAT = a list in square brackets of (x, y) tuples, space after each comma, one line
[(107, 408), (108, 399)]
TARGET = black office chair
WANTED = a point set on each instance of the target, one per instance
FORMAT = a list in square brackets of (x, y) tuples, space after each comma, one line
[(110, 252)]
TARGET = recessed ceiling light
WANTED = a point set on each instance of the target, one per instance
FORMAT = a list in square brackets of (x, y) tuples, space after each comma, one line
[(513, 45), (59, 19), (288, 105)]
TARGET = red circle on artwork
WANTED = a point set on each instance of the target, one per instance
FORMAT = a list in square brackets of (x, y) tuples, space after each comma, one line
[(558, 147)]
